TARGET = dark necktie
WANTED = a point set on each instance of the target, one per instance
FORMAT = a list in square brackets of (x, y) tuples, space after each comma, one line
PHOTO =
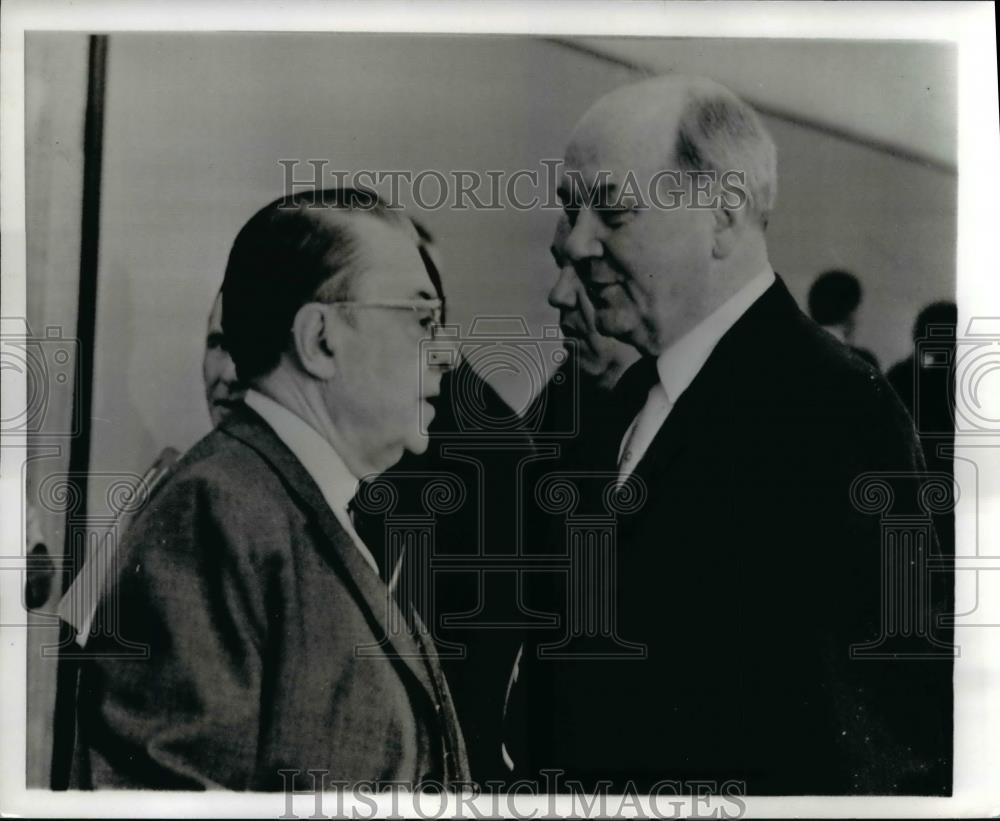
[(632, 389), (627, 399), (370, 527)]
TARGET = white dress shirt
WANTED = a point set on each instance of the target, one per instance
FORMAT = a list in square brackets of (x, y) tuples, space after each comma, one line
[(677, 367), (321, 461)]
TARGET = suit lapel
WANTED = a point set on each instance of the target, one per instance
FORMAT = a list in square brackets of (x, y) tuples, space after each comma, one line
[(370, 591), (706, 402)]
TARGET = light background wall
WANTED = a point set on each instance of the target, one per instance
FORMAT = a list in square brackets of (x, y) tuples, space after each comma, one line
[(196, 125)]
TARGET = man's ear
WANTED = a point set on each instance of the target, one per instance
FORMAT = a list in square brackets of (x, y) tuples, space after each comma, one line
[(726, 230), (313, 337)]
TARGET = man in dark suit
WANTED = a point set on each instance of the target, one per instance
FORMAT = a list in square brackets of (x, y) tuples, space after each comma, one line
[(747, 643), (273, 642)]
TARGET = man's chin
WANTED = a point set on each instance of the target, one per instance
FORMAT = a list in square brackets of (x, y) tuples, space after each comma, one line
[(589, 363), (418, 444), (616, 324)]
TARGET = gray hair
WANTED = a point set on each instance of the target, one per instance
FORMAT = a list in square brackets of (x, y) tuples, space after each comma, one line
[(718, 132)]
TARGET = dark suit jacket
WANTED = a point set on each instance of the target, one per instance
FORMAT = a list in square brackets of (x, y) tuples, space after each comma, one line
[(747, 576), (477, 441), (252, 601)]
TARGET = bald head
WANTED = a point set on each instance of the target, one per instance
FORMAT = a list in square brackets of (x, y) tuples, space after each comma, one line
[(668, 185), (684, 123)]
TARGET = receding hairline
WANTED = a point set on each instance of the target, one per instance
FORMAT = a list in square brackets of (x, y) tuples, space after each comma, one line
[(341, 284), (651, 102), (682, 122)]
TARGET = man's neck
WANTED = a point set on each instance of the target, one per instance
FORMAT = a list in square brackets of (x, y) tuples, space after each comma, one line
[(607, 380), (304, 398), (728, 277)]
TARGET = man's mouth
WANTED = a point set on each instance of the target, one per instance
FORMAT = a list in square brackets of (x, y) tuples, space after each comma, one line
[(571, 331), (597, 290), (230, 401)]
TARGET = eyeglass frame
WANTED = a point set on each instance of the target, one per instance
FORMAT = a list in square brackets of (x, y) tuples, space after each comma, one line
[(435, 306)]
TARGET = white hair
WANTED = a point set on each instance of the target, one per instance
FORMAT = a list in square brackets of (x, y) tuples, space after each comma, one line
[(718, 132)]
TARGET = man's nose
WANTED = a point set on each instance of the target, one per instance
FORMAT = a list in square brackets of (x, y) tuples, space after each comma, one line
[(563, 293), (585, 237)]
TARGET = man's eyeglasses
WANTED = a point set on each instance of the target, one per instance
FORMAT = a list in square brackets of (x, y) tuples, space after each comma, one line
[(434, 309)]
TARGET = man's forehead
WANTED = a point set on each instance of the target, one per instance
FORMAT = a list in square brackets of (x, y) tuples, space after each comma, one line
[(630, 129)]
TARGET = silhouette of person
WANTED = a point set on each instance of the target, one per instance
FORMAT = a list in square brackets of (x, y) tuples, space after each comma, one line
[(924, 381), (833, 304)]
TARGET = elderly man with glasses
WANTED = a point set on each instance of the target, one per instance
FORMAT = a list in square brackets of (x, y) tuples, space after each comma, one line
[(273, 640)]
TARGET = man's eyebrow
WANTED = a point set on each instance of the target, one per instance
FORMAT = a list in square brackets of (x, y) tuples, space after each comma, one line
[(599, 194)]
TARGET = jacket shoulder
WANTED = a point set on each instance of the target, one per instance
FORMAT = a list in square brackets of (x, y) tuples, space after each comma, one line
[(222, 491)]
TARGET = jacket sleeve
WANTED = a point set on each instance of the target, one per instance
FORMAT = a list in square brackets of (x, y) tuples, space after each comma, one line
[(185, 712)]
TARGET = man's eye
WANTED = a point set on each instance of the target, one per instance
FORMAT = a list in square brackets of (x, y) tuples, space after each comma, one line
[(572, 212), (617, 216)]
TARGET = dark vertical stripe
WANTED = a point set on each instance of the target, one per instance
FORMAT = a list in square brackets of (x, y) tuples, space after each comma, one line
[(83, 389), (68, 670)]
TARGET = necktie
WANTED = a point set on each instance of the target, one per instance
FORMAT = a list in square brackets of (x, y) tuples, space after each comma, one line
[(370, 527), (647, 422)]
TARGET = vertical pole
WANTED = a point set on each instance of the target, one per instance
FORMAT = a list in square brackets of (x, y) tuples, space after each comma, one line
[(93, 146), (67, 675)]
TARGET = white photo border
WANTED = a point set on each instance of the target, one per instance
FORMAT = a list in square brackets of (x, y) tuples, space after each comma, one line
[(971, 26)]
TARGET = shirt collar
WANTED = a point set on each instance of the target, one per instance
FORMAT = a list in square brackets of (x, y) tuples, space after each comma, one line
[(836, 332), (321, 461), (679, 364)]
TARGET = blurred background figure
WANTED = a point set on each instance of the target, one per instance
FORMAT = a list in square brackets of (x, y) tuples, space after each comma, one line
[(40, 568), (834, 299), (222, 389), (924, 381), (575, 397), (477, 439)]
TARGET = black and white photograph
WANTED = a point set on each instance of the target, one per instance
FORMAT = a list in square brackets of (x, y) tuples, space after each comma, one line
[(562, 409)]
